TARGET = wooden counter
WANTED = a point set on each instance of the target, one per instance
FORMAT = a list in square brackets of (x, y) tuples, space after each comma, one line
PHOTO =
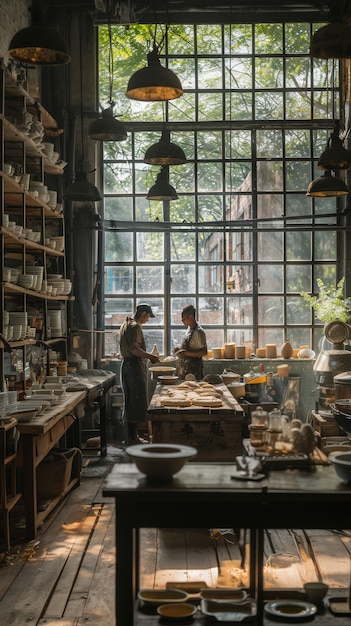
[(37, 438), (215, 432)]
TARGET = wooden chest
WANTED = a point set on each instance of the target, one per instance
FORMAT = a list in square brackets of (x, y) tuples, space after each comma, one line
[(216, 433)]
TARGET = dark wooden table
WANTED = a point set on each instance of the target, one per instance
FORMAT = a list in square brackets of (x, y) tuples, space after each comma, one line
[(204, 495)]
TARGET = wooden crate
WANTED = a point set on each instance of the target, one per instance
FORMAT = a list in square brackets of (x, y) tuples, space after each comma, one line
[(214, 439)]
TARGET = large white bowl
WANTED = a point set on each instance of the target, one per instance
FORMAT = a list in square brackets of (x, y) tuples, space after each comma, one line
[(160, 460)]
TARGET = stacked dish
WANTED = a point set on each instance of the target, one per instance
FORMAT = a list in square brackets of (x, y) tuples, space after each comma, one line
[(60, 242), (58, 284), (55, 322), (38, 271), (25, 281)]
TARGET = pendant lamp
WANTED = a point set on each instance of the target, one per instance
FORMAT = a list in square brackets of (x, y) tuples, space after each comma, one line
[(81, 190), (335, 156), (162, 190), (154, 82), (332, 41), (164, 152), (107, 128), (327, 186), (39, 43)]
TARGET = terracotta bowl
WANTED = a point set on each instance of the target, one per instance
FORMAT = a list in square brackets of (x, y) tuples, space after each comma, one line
[(160, 461)]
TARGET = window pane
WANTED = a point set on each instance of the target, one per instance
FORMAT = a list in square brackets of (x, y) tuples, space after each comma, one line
[(298, 278), (183, 279), (183, 246), (119, 280), (150, 247), (118, 246), (298, 246), (271, 309), (211, 279), (149, 279), (239, 310), (239, 279), (271, 246), (270, 278)]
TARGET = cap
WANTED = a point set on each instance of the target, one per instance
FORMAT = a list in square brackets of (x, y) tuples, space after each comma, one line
[(144, 308)]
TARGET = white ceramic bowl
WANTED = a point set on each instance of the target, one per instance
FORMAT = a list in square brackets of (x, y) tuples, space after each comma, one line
[(161, 370), (160, 460)]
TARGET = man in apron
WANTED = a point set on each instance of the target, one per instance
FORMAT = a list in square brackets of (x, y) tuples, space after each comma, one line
[(193, 347), (134, 371)]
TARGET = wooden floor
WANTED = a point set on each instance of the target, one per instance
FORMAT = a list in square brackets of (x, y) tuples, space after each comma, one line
[(66, 576)]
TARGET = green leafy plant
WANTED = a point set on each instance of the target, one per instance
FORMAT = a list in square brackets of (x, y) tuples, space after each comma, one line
[(329, 305)]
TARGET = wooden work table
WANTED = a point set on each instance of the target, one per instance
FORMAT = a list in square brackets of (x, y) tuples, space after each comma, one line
[(204, 495), (216, 433), (37, 438)]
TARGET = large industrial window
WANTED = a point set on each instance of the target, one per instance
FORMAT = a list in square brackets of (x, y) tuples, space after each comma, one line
[(243, 239)]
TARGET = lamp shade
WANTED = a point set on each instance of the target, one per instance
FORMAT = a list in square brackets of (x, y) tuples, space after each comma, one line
[(81, 190), (154, 82), (332, 41), (164, 152), (107, 128), (162, 190), (39, 44), (327, 186), (335, 156)]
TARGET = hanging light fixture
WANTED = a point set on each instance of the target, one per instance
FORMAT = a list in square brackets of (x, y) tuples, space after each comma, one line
[(164, 152), (39, 43), (335, 156), (154, 82), (327, 186), (332, 41), (81, 190), (106, 127), (162, 190)]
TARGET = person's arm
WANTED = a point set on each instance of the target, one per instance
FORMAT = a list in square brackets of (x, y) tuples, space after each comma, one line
[(142, 354), (193, 353)]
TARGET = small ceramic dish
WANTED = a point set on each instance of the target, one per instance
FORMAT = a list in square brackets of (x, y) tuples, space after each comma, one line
[(224, 595), (162, 596), (177, 611)]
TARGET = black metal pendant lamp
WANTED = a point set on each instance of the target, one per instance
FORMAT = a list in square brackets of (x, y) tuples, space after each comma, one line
[(162, 190), (164, 152), (154, 82), (40, 43), (327, 186)]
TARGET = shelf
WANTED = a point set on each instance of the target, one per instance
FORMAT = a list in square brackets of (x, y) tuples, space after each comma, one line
[(14, 134), (11, 288), (15, 193)]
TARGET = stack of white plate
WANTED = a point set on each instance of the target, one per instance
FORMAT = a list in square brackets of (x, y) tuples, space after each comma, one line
[(58, 284), (67, 286), (19, 321), (55, 322), (25, 281), (48, 149), (38, 271), (60, 243)]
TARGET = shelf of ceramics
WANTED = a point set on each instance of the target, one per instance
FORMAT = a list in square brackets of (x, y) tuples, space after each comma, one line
[(12, 288), (14, 193), (14, 88), (12, 240), (14, 134)]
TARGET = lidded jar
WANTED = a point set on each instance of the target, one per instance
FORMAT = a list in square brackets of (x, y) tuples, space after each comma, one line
[(275, 421), (258, 428), (259, 418)]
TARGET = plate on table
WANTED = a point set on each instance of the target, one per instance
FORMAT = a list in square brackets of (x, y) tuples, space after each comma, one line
[(291, 610), (162, 596), (177, 611), (228, 611)]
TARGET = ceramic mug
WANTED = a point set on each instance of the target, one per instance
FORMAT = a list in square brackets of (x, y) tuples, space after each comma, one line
[(315, 591)]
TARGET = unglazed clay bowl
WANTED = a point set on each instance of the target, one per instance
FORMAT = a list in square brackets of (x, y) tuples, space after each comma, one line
[(160, 461)]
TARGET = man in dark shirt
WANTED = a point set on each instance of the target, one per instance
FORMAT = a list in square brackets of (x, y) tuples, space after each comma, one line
[(134, 371)]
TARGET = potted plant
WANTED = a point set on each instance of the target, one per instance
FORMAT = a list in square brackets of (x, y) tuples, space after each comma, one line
[(329, 305)]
